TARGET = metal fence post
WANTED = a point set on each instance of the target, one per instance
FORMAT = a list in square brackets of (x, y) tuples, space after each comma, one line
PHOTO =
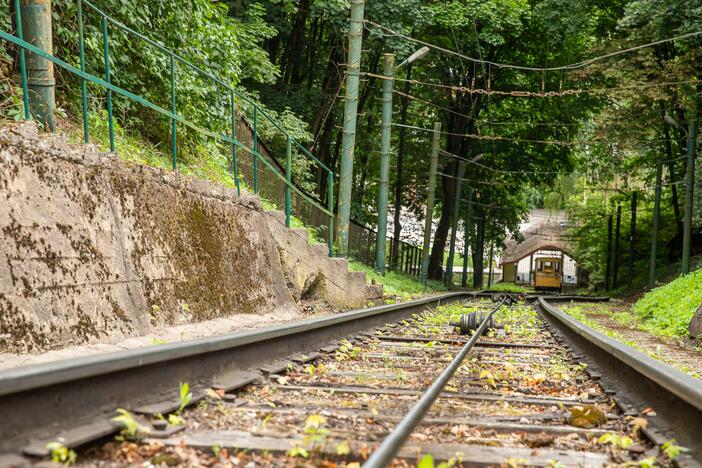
[(106, 51), (615, 275), (174, 135), (36, 16), (235, 163), (330, 208), (385, 144), (288, 180), (83, 83), (492, 256), (608, 268), (654, 229), (353, 70), (632, 238), (22, 62), (430, 201), (689, 188), (255, 149), (448, 277)]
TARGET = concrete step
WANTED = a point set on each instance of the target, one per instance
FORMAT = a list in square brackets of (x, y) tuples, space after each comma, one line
[(341, 262), (301, 232), (321, 248)]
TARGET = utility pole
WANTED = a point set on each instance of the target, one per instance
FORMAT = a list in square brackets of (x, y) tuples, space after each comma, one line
[(385, 144), (433, 166), (448, 277), (632, 238), (37, 30), (490, 271), (654, 229), (608, 269), (689, 187), (615, 279), (466, 236), (353, 72)]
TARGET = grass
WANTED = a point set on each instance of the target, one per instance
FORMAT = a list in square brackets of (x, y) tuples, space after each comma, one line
[(511, 287), (398, 284), (668, 309), (625, 319)]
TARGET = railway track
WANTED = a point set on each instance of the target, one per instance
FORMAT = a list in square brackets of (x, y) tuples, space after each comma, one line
[(344, 390)]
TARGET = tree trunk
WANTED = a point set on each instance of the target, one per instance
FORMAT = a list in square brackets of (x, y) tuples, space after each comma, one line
[(291, 55), (671, 168), (397, 227), (448, 190), (479, 249)]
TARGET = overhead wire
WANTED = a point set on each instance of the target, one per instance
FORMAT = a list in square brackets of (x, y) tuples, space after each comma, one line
[(571, 66), (527, 93), (527, 140)]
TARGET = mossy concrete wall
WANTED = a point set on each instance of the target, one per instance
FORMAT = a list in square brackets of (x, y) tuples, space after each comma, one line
[(310, 273), (92, 247)]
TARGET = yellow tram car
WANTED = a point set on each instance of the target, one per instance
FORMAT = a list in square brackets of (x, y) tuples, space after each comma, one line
[(548, 273)]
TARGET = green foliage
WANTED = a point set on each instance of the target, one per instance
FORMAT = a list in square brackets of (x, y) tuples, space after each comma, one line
[(615, 440), (131, 428), (186, 396), (61, 454), (398, 284), (511, 287), (667, 310), (672, 450)]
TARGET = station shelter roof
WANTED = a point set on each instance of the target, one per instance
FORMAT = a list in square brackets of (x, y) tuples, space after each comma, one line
[(544, 236)]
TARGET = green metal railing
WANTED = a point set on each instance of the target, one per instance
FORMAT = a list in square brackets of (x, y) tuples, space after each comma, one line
[(172, 113)]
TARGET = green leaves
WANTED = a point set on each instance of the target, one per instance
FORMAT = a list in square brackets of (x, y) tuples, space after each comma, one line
[(186, 396), (131, 428), (667, 310), (61, 454)]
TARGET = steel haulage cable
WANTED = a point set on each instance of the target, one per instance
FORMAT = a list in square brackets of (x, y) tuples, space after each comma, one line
[(392, 443)]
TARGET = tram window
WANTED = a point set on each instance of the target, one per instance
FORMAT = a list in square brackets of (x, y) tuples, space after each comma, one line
[(558, 266), (539, 266), (548, 264)]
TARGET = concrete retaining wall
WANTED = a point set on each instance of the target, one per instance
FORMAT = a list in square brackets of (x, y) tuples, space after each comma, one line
[(93, 247), (311, 274)]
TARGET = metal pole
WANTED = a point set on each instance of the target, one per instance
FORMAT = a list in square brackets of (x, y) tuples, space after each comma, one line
[(448, 278), (608, 268), (255, 149), (490, 270), (466, 237), (330, 208), (632, 238), (106, 52), (430, 201), (689, 187), (654, 229), (385, 144), (288, 180), (83, 83), (22, 62), (353, 71), (174, 130), (615, 276), (235, 159), (36, 26)]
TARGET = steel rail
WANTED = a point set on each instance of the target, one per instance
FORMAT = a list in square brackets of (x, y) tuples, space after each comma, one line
[(393, 443), (39, 401), (643, 381)]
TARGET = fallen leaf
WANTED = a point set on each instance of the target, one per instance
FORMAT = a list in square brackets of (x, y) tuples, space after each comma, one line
[(587, 416)]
